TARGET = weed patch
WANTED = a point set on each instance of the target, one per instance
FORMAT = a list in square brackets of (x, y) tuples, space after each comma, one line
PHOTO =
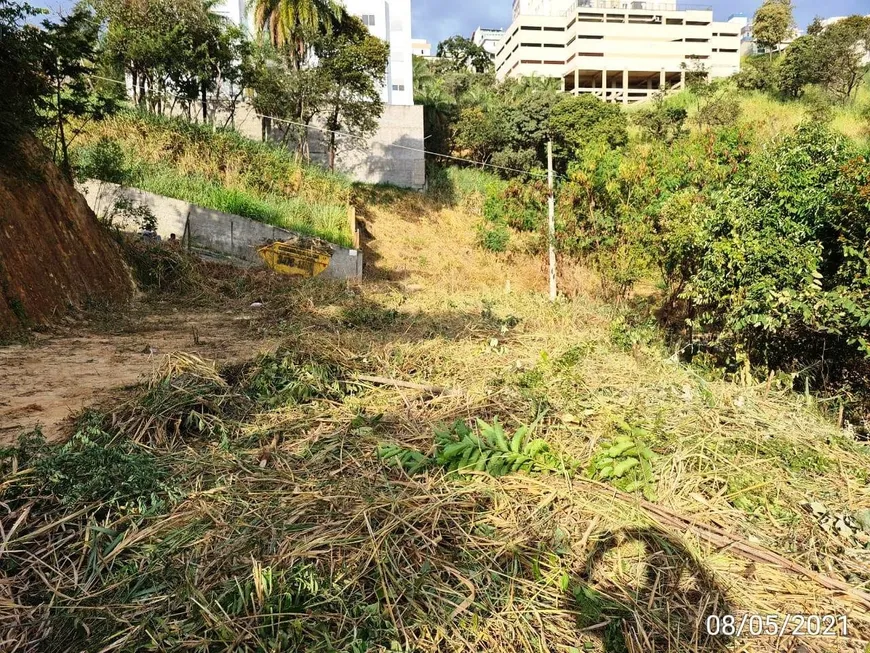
[(284, 378)]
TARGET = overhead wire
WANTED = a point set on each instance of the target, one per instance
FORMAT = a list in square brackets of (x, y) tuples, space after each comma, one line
[(483, 164)]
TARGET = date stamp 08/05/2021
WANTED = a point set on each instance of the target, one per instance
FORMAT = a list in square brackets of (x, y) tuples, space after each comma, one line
[(777, 625)]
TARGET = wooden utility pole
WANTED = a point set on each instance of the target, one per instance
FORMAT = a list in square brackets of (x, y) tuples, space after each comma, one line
[(551, 222)]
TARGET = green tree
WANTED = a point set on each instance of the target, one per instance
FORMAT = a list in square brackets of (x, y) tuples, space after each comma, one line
[(69, 58), (175, 51), (527, 106), (577, 121), (757, 73), (841, 49), (353, 63), (293, 25), (773, 23), (461, 53), (799, 67), (282, 92), (479, 133), (21, 54)]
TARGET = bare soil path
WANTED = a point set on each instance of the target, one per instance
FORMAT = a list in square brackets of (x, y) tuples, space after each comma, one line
[(45, 382)]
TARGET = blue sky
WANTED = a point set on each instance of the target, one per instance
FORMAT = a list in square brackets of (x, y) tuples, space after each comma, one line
[(435, 20)]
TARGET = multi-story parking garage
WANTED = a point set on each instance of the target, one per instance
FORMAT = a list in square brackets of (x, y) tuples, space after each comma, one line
[(621, 51)]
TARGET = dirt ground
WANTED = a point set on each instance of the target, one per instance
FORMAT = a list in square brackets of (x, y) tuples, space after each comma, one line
[(47, 381), (53, 377)]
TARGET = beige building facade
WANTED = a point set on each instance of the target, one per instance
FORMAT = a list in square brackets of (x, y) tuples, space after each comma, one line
[(620, 50)]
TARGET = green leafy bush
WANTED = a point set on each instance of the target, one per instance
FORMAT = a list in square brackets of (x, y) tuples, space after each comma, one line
[(785, 270), (661, 120), (579, 120), (525, 204), (105, 160)]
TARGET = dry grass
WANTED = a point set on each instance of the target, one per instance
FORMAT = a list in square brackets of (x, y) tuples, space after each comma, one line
[(280, 529)]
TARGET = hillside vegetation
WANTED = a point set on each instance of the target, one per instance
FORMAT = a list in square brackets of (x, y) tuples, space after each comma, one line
[(286, 504), (673, 456), (217, 169)]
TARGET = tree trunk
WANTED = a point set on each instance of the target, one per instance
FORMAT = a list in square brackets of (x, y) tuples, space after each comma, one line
[(204, 103), (64, 149)]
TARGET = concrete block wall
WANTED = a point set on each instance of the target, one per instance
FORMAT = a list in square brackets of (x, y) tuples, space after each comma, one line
[(392, 155), (213, 230)]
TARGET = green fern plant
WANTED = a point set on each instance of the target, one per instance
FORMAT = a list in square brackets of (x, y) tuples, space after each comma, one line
[(491, 450), (626, 462)]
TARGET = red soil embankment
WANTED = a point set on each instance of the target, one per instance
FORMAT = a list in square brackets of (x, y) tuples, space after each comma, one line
[(54, 255)]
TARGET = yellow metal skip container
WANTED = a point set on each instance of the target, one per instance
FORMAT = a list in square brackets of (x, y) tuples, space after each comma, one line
[(294, 260)]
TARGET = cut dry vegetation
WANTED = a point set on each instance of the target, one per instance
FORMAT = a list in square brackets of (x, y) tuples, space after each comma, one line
[(287, 502)]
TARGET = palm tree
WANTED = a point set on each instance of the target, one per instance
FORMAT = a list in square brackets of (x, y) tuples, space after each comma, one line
[(291, 24), (438, 110)]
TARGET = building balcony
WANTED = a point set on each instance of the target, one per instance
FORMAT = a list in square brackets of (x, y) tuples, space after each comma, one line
[(635, 5)]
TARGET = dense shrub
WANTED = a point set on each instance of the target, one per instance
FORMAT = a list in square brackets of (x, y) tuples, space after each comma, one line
[(525, 204), (631, 212), (758, 73), (103, 160), (577, 121), (661, 120), (785, 261)]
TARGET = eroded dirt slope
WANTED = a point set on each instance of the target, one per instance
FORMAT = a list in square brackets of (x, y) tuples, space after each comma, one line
[(53, 253)]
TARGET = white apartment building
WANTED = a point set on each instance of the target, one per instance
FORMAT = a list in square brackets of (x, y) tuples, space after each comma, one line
[(421, 48), (390, 20), (620, 50), (488, 39)]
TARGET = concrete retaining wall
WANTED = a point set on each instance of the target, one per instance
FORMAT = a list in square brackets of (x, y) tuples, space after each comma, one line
[(212, 230), (392, 155)]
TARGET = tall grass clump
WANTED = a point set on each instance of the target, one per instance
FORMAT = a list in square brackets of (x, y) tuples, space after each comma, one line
[(466, 188)]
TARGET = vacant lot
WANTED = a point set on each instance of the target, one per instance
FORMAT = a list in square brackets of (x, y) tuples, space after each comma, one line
[(301, 500)]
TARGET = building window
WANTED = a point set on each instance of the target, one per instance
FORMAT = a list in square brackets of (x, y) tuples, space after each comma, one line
[(368, 20), (398, 87)]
